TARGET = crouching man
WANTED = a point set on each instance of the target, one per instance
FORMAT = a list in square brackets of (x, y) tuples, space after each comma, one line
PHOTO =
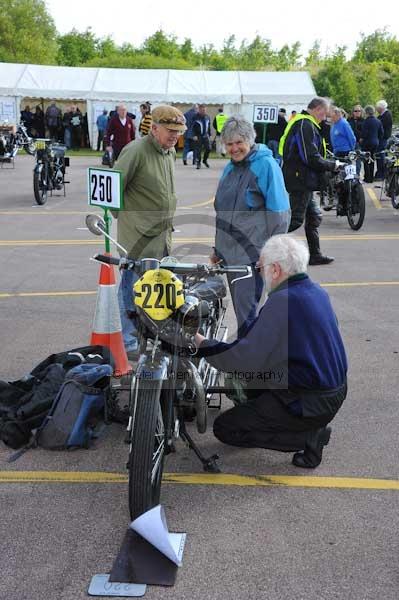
[(292, 360)]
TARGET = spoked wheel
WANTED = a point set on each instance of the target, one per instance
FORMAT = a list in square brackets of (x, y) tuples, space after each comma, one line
[(147, 447), (40, 187), (394, 190), (30, 148), (356, 207)]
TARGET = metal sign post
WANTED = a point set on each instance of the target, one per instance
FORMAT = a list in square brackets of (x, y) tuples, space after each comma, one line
[(105, 190)]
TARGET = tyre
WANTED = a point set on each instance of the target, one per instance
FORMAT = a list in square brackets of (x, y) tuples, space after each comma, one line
[(30, 148), (356, 206), (394, 190), (40, 187), (147, 447)]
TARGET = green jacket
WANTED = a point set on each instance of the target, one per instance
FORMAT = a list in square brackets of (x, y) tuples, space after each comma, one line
[(145, 223)]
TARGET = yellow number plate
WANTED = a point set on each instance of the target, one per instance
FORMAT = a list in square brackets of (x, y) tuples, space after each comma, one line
[(159, 293), (396, 164), (40, 144)]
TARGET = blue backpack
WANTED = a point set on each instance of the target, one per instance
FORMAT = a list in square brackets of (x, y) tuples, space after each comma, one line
[(77, 409)]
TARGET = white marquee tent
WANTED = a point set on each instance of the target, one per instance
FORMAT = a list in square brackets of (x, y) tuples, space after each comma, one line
[(102, 88)]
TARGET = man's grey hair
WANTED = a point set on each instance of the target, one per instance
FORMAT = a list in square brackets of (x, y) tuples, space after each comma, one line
[(336, 110), (382, 104), (238, 126), (319, 101), (290, 253), (369, 110)]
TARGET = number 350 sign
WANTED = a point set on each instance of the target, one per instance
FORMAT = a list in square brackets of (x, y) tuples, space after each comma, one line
[(105, 188), (266, 113)]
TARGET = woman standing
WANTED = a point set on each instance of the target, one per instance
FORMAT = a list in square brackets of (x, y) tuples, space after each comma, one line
[(372, 136)]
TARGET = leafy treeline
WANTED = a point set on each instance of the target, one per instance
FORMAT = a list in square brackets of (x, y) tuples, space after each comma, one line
[(28, 34)]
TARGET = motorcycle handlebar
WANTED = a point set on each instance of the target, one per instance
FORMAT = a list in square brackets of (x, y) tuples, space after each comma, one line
[(179, 268)]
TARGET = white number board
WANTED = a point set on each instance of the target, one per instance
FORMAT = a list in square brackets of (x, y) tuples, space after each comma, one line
[(105, 188), (265, 113)]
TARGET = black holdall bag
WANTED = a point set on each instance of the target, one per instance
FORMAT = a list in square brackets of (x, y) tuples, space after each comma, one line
[(25, 403)]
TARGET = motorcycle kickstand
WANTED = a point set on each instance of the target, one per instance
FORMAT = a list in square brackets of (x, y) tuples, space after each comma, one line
[(209, 464)]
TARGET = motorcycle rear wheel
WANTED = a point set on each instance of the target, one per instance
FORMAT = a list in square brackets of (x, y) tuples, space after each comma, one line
[(147, 447), (356, 207), (40, 187), (394, 190)]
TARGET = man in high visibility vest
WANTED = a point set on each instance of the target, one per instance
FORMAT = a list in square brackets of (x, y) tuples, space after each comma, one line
[(304, 161), (218, 123)]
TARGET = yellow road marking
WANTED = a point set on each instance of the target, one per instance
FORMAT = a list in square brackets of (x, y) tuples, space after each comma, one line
[(203, 479), (374, 198), (198, 204), (342, 284)]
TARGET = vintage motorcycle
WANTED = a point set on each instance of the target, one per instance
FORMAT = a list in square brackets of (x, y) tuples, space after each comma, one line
[(23, 140), (391, 177), (170, 385), (345, 192), (49, 170)]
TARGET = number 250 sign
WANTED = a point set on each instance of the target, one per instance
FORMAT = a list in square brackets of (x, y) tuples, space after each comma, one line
[(105, 188)]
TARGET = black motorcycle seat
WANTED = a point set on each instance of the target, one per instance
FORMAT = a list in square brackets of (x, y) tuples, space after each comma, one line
[(209, 290)]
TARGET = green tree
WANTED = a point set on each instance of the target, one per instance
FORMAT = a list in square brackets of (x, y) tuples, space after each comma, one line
[(288, 57), (27, 32), (369, 82), (161, 44), (256, 56), (337, 81), (76, 48), (377, 47)]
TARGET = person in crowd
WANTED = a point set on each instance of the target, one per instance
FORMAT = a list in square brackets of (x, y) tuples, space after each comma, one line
[(146, 119), (38, 124), (292, 360), (274, 133), (292, 115), (201, 128), (343, 139), (304, 161), (102, 122), (218, 123), (251, 205), (66, 123), (145, 223), (76, 127), (188, 135), (371, 140), (85, 131), (356, 121), (27, 119), (53, 120), (120, 131), (385, 116)]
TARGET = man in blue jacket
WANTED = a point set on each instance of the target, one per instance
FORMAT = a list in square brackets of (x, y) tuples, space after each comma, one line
[(292, 362), (343, 139)]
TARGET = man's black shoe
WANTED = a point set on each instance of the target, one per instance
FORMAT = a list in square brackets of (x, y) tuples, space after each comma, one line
[(320, 259), (311, 457), (198, 166), (206, 163), (184, 162)]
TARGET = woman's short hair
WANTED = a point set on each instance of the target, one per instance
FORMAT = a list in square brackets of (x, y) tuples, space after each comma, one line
[(290, 253), (336, 110), (238, 126), (369, 110), (382, 104)]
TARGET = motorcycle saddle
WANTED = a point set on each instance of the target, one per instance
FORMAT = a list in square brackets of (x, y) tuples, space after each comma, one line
[(210, 289)]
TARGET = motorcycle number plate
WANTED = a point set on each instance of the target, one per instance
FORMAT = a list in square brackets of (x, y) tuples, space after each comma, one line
[(350, 171), (101, 586), (40, 145), (396, 163), (159, 293)]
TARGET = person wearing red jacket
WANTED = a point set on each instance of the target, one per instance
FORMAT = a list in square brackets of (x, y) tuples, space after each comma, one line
[(120, 131)]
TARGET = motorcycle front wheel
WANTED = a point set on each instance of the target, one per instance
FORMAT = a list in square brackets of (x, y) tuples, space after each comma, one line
[(147, 447), (40, 187), (356, 206), (394, 190), (30, 148)]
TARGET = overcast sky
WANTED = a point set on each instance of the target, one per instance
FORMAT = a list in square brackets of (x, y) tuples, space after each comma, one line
[(207, 21)]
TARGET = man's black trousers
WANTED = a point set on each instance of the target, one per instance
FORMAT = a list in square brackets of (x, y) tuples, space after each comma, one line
[(266, 422), (304, 208)]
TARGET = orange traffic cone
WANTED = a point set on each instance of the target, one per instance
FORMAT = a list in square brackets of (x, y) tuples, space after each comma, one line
[(107, 328)]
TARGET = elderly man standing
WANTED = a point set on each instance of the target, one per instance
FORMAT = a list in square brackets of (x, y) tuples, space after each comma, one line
[(145, 223), (251, 205), (120, 131), (292, 360), (385, 116), (303, 150)]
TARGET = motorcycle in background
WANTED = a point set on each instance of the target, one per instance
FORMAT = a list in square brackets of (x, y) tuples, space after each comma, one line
[(49, 170)]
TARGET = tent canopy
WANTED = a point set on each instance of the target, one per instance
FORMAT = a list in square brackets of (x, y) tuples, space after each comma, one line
[(156, 85)]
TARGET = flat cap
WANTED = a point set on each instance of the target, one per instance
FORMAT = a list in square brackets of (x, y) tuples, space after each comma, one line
[(169, 116)]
